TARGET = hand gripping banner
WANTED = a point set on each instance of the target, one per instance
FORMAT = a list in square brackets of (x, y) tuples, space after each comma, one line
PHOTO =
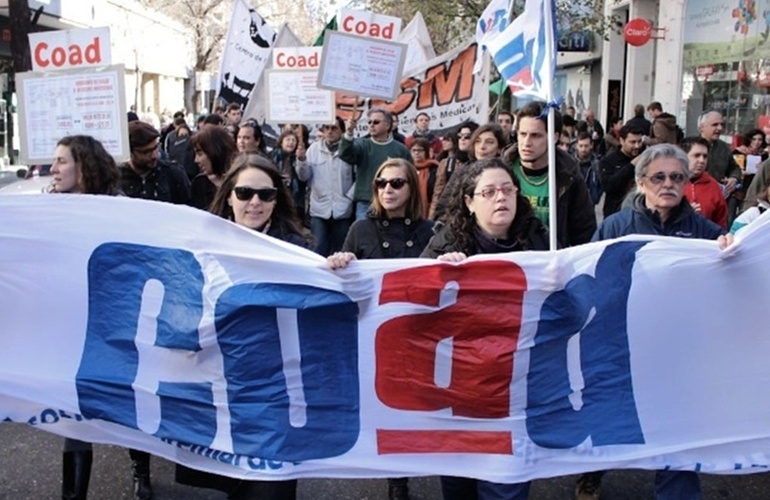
[(167, 329)]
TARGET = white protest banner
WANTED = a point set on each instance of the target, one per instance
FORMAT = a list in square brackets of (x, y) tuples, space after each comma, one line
[(294, 97), (90, 101), (367, 67), (244, 55), (167, 329), (419, 45), (369, 24), (64, 49)]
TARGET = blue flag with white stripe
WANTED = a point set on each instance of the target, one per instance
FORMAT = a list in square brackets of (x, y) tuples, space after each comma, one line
[(521, 53)]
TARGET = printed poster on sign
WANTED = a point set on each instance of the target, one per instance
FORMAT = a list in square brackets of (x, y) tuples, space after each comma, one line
[(294, 97), (362, 66), (71, 102)]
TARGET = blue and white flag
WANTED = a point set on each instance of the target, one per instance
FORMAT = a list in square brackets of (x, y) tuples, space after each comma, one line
[(521, 53), (492, 23)]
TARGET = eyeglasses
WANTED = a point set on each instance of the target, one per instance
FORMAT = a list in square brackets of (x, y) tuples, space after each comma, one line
[(375, 122), (396, 183), (245, 193), (490, 192), (660, 177), (463, 136)]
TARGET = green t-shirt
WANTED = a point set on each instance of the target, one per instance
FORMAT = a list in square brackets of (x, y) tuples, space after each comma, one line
[(535, 189)]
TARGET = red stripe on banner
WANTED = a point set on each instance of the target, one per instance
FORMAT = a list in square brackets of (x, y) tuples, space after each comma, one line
[(398, 441)]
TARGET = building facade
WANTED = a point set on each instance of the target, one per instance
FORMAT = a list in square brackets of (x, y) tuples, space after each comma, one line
[(707, 55)]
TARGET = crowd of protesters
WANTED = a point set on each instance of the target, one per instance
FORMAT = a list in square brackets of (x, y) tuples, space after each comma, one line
[(473, 189)]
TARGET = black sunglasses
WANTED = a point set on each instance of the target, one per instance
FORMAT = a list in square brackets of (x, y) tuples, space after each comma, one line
[(244, 193), (375, 122), (396, 183)]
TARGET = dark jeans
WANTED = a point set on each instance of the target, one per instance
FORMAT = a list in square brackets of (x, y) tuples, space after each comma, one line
[(677, 485), (463, 488), (329, 234)]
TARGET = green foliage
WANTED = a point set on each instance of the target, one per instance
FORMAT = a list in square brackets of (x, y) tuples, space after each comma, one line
[(451, 22)]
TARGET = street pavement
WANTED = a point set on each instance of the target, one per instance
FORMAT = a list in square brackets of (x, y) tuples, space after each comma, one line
[(30, 468)]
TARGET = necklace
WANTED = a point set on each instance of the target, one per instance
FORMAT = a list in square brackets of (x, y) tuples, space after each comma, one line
[(532, 182)]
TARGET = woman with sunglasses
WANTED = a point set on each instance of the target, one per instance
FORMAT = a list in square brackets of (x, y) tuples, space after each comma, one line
[(82, 166), (252, 195), (214, 148), (394, 228), (487, 214)]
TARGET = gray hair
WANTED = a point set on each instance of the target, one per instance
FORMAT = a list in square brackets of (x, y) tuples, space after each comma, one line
[(661, 151), (702, 118), (387, 117)]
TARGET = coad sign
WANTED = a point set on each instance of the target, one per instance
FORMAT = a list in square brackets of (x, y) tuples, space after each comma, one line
[(54, 50), (369, 24), (296, 57)]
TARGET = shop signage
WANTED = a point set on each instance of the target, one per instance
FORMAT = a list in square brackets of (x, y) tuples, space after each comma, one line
[(575, 41), (637, 32)]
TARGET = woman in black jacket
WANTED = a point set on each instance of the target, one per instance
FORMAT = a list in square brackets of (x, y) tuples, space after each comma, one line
[(394, 228), (82, 165), (487, 214), (253, 195)]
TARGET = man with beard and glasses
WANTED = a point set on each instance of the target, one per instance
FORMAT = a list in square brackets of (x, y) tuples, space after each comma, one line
[(145, 175)]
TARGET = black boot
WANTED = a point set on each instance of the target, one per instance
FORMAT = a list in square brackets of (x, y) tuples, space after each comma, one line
[(398, 488), (140, 466), (76, 472)]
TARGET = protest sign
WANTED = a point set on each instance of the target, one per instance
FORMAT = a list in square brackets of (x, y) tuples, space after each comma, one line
[(243, 355), (64, 49), (367, 67), (90, 101), (369, 24), (294, 97)]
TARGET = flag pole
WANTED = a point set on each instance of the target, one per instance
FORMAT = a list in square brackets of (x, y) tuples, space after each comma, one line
[(550, 57)]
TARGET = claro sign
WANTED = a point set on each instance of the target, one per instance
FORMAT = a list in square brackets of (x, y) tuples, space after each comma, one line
[(66, 49)]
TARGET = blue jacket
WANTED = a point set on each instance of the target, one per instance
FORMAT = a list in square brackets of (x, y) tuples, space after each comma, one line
[(683, 223)]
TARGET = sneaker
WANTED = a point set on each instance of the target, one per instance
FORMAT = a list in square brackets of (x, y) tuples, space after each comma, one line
[(588, 485)]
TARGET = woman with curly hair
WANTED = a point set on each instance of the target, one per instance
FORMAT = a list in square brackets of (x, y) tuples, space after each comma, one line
[(81, 165), (214, 148), (487, 214)]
